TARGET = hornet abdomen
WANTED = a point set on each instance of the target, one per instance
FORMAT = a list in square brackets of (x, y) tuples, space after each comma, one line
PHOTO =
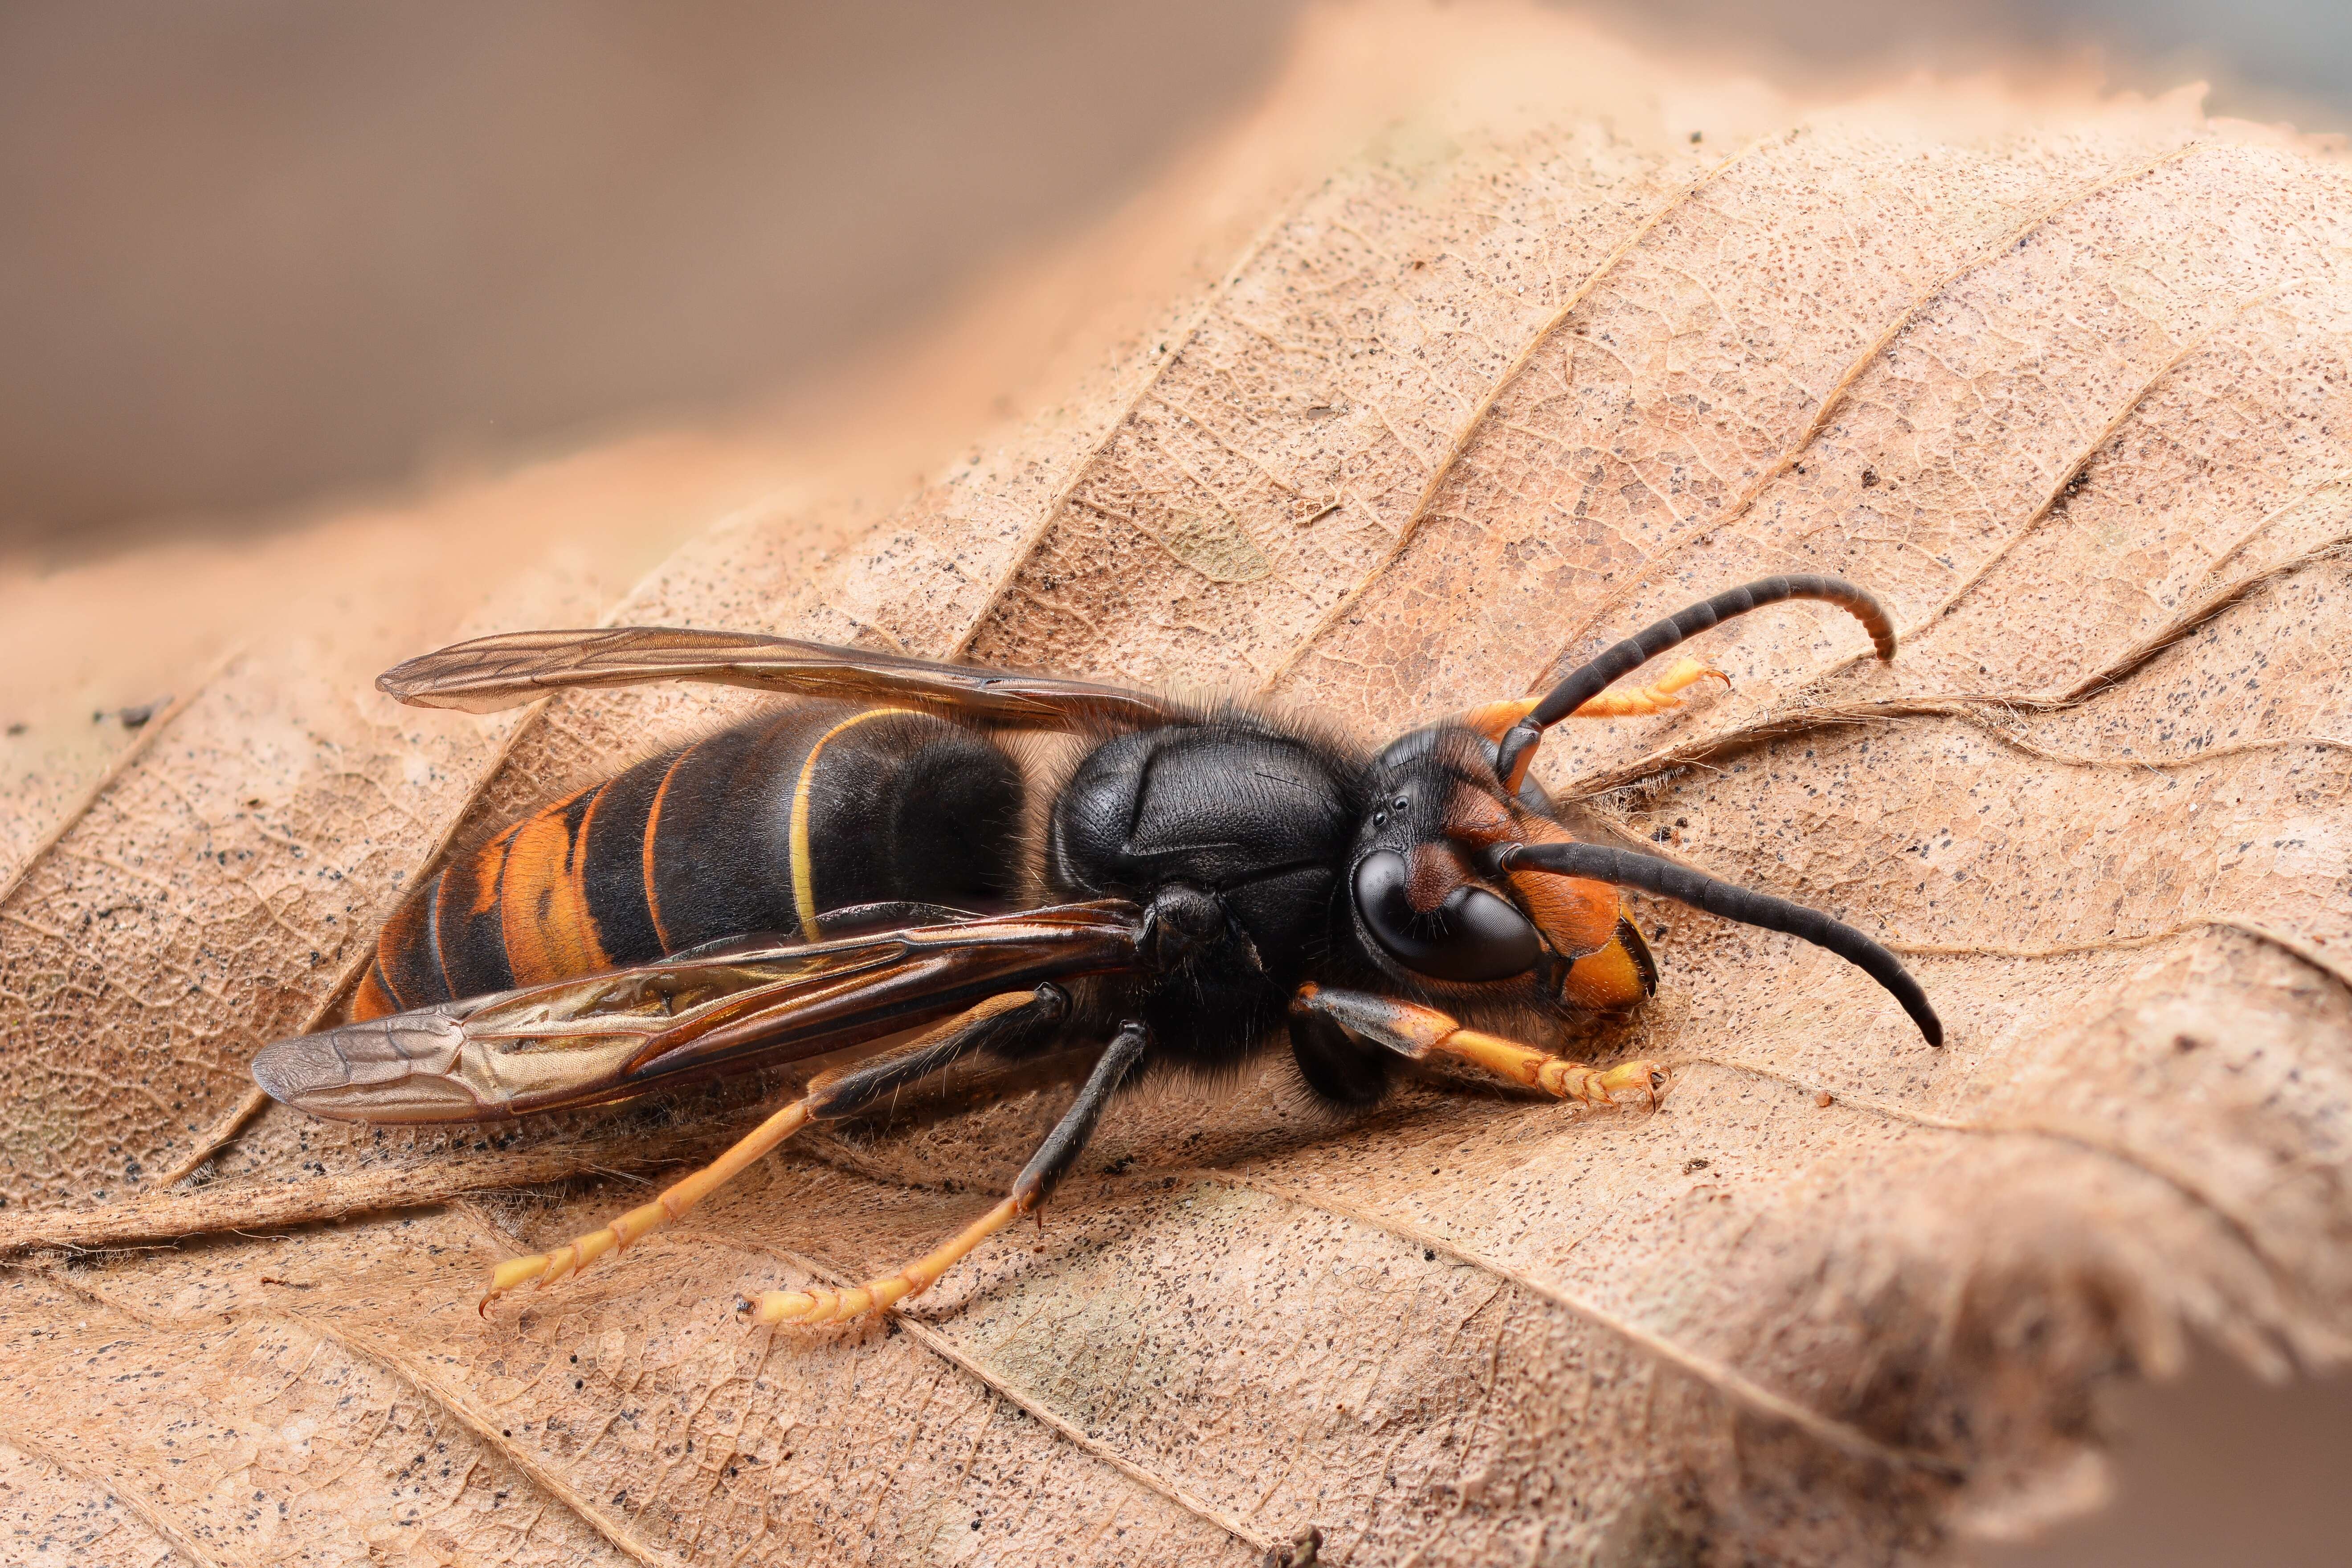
[(757, 828)]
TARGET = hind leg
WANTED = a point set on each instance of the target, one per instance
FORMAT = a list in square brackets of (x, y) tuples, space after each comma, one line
[(1030, 1189), (998, 1018)]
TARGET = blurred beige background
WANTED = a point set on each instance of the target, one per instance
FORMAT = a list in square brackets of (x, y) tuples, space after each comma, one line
[(258, 250), (281, 283)]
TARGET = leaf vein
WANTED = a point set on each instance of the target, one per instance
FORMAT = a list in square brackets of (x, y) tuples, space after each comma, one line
[(1732, 1385), (1468, 429)]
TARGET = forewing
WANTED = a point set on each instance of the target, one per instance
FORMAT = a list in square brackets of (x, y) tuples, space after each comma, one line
[(494, 672), (611, 1035)]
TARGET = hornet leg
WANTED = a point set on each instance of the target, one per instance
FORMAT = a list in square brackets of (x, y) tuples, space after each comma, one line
[(1420, 1033), (989, 1023), (1630, 701), (1617, 702), (1037, 1179)]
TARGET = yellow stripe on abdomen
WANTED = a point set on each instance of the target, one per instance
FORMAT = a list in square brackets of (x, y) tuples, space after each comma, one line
[(646, 862)]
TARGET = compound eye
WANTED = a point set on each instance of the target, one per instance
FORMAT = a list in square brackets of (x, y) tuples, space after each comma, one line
[(1471, 936)]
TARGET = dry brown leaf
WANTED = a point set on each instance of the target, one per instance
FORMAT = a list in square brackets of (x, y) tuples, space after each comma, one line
[(2074, 392)]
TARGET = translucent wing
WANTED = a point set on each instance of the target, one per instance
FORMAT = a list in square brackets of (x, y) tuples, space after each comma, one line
[(611, 1036), (491, 673)]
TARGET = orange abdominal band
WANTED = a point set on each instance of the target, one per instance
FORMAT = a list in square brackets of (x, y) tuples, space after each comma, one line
[(543, 901)]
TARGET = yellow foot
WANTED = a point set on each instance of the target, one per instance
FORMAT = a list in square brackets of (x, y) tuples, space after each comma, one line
[(1601, 1086), (1541, 1069), (546, 1267), (1494, 718), (1419, 1033), (1655, 697), (824, 1306)]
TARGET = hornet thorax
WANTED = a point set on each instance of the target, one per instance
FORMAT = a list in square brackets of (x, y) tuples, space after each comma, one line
[(1232, 835)]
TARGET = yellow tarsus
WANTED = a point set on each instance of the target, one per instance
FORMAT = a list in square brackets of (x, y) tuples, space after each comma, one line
[(819, 1305), (1553, 1075), (1630, 702), (1618, 702), (1417, 1032), (674, 1204)]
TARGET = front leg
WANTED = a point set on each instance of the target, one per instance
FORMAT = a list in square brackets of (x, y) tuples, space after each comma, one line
[(1036, 1181), (1419, 1033), (1617, 702)]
